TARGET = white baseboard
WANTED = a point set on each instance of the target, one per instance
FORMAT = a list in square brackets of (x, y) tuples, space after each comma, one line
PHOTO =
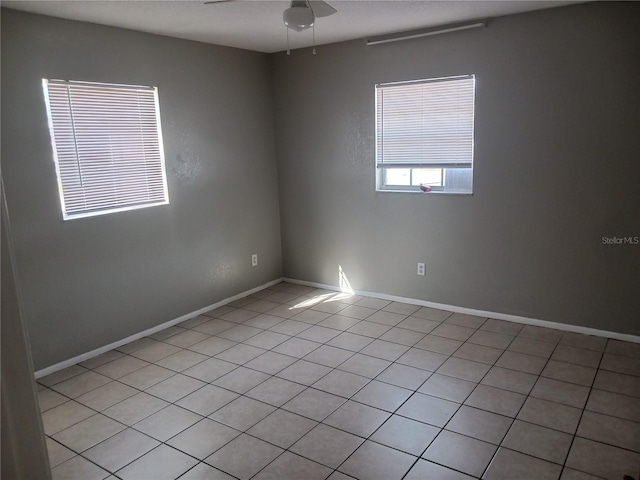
[(99, 351), (481, 313)]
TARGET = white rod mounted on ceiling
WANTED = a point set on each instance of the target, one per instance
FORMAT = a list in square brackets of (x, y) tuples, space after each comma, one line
[(395, 37)]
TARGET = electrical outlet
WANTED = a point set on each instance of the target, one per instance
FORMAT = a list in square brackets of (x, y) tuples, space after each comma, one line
[(254, 260), (421, 269)]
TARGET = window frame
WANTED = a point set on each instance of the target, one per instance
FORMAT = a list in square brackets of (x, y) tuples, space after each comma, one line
[(157, 161), (446, 168)]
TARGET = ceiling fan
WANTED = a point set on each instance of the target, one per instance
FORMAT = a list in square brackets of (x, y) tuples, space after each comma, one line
[(301, 14)]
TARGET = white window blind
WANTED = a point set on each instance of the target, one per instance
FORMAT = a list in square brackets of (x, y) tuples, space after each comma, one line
[(425, 123), (107, 144)]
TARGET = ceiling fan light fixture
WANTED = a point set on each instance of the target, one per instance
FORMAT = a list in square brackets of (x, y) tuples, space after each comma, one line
[(298, 18)]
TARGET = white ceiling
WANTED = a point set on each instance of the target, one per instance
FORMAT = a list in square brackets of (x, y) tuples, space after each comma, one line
[(257, 24)]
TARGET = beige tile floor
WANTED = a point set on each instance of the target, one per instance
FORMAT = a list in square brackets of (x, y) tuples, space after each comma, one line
[(300, 383)]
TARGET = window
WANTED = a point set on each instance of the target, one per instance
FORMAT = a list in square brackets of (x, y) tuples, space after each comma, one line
[(107, 147), (424, 135)]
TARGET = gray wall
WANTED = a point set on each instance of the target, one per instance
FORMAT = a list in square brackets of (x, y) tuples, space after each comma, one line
[(89, 282), (556, 169)]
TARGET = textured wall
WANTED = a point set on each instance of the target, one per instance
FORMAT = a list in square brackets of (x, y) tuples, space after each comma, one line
[(556, 169), (89, 282)]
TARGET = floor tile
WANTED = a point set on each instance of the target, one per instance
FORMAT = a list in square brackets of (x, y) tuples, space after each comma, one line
[(615, 404), (80, 384), (330, 307), (283, 311), (569, 372), (136, 345), (364, 365), (384, 350), (289, 465), (240, 354), (203, 438), (521, 362), (491, 339), (433, 343), (427, 409), (174, 388), (48, 399), (449, 388), (290, 327), (319, 334), (496, 400), (355, 311), (166, 333), (617, 383), (57, 453), (561, 392), (186, 339), (311, 317), (239, 316), (435, 314), (480, 424), (375, 303), (264, 321), (167, 422), (350, 341), (282, 428), (466, 320), (260, 306), (550, 414), (212, 346), (532, 347), (571, 474), (386, 318), (200, 319), (242, 413), (314, 404), (101, 359), (146, 377), (458, 452), (403, 376), (207, 400), (78, 468), (328, 356), (478, 353), (162, 463), (341, 383), (602, 460), (619, 347), (502, 326), (541, 333), (579, 356), (121, 449), (464, 369), (402, 336), (374, 461), (610, 430), (382, 395), (338, 322), (156, 352), (418, 324), (424, 469), (369, 329), (453, 332), (401, 308), (303, 372), (89, 432), (233, 458), (539, 442), (426, 360), (275, 391), (267, 340), (296, 347), (580, 340), (513, 380), (181, 360), (241, 380), (404, 434), (202, 471), (270, 362), (509, 464), (239, 333), (210, 369), (135, 408), (620, 364), (121, 367), (327, 445), (104, 397), (356, 418), (63, 416)]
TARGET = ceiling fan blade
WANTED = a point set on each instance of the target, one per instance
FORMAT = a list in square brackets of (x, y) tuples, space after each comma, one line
[(321, 9)]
